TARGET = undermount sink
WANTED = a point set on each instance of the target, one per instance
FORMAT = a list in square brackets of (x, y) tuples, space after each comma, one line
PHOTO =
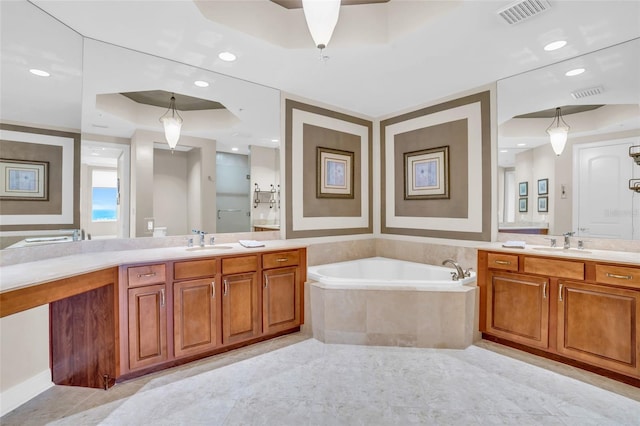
[(208, 248), (562, 250)]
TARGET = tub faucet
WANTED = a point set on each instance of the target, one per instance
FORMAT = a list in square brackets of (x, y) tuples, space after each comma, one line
[(201, 234), (455, 275)]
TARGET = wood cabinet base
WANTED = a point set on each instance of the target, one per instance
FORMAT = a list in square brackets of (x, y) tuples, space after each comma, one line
[(548, 355), (217, 351)]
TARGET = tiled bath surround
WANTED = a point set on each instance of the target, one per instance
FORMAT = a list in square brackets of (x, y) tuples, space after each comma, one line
[(425, 319), (390, 318)]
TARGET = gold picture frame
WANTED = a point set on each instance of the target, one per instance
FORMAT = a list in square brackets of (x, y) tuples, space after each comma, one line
[(24, 180), (334, 173), (426, 174)]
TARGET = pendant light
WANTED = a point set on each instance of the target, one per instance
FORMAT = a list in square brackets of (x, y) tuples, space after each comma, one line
[(172, 123), (558, 132), (322, 17)]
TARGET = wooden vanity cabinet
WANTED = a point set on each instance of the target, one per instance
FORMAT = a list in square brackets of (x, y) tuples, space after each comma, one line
[(574, 310), (598, 325), (195, 307), (240, 299), (147, 316), (518, 308), (280, 291), (181, 310)]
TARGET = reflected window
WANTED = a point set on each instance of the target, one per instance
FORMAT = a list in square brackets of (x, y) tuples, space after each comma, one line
[(104, 196)]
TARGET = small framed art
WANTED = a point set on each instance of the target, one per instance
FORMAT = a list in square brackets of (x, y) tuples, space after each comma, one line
[(543, 204), (523, 189), (523, 205), (543, 186)]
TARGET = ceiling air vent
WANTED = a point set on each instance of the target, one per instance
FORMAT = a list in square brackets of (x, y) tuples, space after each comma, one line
[(583, 93), (522, 10)]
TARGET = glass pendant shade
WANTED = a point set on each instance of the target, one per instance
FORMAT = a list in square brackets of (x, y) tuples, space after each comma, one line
[(322, 17), (558, 132), (172, 123)]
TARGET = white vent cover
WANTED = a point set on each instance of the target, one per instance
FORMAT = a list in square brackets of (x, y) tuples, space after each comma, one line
[(583, 93), (522, 10)]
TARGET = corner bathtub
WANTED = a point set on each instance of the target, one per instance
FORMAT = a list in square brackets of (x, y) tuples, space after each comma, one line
[(380, 301)]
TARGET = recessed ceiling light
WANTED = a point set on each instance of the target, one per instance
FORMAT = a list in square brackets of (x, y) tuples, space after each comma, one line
[(555, 45), (227, 56), (201, 83), (504, 150), (522, 144), (275, 140), (574, 72), (234, 149), (39, 73)]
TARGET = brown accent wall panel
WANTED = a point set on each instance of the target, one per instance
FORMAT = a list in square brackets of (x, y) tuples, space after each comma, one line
[(42, 152), (314, 136), (450, 135), (35, 152)]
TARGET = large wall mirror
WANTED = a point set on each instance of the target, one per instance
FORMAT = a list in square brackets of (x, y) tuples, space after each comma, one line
[(224, 174), (585, 189)]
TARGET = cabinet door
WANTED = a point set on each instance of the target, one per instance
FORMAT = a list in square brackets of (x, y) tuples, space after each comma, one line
[(194, 316), (599, 325), (280, 300), (240, 308), (147, 326), (518, 308)]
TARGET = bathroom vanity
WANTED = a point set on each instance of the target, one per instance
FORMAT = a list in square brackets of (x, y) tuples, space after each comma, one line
[(161, 308), (577, 307)]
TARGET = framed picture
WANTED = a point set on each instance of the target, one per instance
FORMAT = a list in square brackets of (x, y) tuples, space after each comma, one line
[(543, 186), (334, 173), (24, 180), (426, 174), (543, 204), (523, 189), (523, 205)]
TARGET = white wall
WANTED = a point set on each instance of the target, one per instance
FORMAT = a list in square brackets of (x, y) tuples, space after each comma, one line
[(170, 206), (24, 357), (265, 171)]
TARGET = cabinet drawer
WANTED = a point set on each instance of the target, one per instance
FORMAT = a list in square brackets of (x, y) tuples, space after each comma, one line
[(145, 275), (194, 269), (508, 262), (554, 268), (618, 275), (283, 258), (236, 265)]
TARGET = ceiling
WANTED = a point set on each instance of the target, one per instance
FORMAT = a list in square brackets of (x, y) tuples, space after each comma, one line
[(425, 50)]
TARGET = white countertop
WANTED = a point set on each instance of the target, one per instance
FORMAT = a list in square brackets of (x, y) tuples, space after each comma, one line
[(632, 258), (42, 271)]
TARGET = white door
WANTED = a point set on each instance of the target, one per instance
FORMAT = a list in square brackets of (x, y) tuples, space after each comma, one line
[(604, 202)]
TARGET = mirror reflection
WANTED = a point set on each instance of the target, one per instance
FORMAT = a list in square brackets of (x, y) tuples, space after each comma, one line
[(229, 130), (132, 183), (585, 189)]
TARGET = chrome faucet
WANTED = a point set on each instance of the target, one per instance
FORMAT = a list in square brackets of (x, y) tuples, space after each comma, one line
[(201, 234), (567, 240), (455, 275)]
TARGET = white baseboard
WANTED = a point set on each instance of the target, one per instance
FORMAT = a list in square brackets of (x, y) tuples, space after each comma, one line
[(17, 395)]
